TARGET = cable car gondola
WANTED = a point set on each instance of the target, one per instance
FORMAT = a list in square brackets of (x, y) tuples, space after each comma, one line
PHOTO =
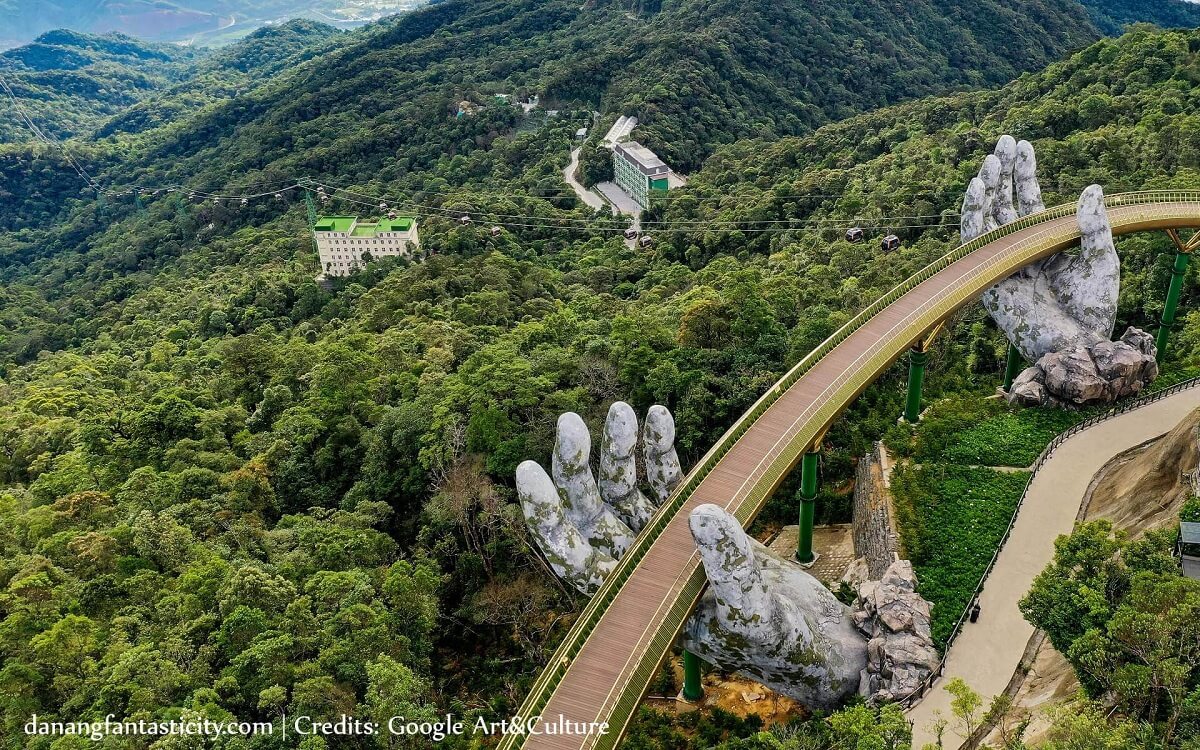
[(854, 234), (631, 234), (496, 231), (466, 220), (646, 240), (245, 201), (890, 244)]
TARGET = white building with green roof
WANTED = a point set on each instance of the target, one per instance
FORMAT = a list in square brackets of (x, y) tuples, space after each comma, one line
[(344, 244)]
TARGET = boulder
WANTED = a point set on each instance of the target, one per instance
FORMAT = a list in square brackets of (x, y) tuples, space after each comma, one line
[(1072, 376), (900, 650), (1029, 388)]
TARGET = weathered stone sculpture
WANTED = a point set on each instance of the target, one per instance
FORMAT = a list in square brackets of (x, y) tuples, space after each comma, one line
[(1059, 312), (770, 620), (618, 467), (658, 441), (762, 616)]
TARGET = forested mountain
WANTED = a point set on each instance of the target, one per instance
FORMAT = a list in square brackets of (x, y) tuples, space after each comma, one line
[(696, 73), (231, 492), (69, 82), (72, 84), (192, 22), (380, 103), (1112, 15)]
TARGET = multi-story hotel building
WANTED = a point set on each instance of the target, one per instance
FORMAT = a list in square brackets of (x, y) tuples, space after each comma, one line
[(638, 171), (344, 244)]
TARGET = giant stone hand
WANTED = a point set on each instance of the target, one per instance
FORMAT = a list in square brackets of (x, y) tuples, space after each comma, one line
[(762, 616), (1058, 312)]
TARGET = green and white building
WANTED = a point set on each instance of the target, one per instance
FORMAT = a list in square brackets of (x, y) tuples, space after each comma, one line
[(343, 241), (639, 172)]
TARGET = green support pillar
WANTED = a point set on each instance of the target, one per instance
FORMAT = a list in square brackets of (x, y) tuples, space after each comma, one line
[(808, 503), (916, 378), (1012, 366), (1168, 316), (693, 688)]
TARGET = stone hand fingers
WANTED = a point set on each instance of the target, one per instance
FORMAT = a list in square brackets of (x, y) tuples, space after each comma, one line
[(572, 471), (570, 555), (1087, 283), (618, 467)]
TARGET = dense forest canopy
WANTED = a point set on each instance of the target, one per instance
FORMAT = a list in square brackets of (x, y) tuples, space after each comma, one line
[(697, 73), (228, 491), (1113, 15), (68, 82)]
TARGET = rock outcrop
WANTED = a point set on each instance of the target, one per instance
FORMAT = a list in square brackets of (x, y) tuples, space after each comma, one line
[(1064, 305), (900, 650), (1104, 372)]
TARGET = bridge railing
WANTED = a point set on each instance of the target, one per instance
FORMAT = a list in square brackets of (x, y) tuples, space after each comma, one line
[(549, 679), (914, 697)]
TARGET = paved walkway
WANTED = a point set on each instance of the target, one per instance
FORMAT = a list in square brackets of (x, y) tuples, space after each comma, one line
[(833, 543), (587, 196), (986, 653)]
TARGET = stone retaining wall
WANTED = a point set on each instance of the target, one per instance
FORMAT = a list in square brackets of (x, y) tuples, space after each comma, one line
[(874, 534)]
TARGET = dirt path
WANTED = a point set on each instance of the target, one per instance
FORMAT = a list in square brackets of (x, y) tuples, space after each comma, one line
[(986, 653)]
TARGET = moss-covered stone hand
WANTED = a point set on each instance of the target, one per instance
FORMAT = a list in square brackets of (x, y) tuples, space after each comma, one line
[(762, 616), (1058, 312)]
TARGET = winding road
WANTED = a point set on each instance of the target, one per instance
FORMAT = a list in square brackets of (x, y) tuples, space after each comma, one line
[(601, 670), (587, 196)]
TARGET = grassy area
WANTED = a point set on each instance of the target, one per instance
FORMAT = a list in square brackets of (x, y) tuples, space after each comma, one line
[(988, 433), (952, 519), (970, 431), (952, 511)]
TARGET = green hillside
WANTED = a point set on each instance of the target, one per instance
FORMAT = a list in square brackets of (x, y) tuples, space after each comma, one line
[(73, 84), (1111, 16), (231, 492), (68, 82)]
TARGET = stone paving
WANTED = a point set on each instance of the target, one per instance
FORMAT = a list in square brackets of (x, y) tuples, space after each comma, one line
[(833, 544)]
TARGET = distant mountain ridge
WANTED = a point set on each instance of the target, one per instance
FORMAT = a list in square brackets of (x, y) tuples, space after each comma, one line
[(71, 83), (1111, 16), (193, 22)]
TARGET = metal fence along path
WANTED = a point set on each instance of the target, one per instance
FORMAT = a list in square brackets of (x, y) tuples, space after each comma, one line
[(600, 671), (1124, 408)]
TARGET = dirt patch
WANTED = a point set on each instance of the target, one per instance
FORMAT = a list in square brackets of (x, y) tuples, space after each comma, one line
[(736, 695)]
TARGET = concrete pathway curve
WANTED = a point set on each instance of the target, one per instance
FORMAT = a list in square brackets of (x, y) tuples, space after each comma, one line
[(986, 653), (587, 196)]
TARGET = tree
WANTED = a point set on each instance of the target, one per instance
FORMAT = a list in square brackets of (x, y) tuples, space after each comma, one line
[(394, 691)]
